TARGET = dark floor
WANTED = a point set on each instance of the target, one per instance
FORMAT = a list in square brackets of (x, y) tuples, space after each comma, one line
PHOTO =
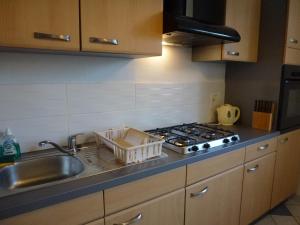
[(287, 213)]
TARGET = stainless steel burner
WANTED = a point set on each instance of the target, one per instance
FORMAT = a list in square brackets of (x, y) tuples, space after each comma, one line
[(194, 137)]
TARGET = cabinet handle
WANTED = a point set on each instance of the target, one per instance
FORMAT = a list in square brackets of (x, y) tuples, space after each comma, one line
[(200, 193), (253, 169), (104, 41), (134, 220), (293, 40), (285, 140), (233, 53), (54, 37), (263, 147)]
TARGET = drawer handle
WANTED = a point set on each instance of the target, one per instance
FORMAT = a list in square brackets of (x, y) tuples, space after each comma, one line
[(233, 53), (200, 193), (263, 147), (134, 220), (293, 40), (104, 41), (253, 169), (285, 140), (54, 37)]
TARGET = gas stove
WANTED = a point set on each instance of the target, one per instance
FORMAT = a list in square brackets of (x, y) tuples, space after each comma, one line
[(194, 137)]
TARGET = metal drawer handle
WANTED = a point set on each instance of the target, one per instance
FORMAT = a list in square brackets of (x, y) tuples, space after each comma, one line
[(253, 169), (134, 220), (263, 147), (200, 193), (233, 53), (54, 37), (285, 140), (104, 41), (293, 40)]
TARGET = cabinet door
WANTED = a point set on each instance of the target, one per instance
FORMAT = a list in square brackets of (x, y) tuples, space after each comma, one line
[(73, 212), (286, 167), (122, 26), (97, 222), (292, 50), (165, 210), (257, 188), (244, 16), (42, 24), (293, 31), (215, 201)]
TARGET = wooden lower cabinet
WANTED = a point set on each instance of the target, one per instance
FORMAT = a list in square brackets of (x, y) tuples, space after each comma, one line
[(215, 201), (97, 222), (130, 194), (287, 167), (77, 211), (165, 210), (257, 188)]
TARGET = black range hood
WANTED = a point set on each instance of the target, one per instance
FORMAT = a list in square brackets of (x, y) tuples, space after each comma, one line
[(196, 23)]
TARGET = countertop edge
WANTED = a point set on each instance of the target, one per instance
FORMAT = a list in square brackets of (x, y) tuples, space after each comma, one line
[(94, 187)]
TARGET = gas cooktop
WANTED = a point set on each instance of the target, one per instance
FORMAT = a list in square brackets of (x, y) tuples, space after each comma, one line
[(194, 137)]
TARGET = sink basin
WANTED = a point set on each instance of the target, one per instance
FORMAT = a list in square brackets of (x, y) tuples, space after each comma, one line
[(39, 171)]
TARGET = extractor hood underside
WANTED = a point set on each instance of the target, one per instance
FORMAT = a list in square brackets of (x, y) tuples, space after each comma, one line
[(187, 31)]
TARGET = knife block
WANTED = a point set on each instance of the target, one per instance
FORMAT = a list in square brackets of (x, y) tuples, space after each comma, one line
[(262, 120)]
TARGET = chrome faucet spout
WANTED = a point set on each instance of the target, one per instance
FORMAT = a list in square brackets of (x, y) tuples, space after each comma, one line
[(57, 146)]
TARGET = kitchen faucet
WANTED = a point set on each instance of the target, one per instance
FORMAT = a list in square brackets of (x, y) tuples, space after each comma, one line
[(72, 142), (57, 146), (72, 149)]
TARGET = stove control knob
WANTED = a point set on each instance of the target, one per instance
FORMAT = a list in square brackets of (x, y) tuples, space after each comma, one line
[(234, 138), (206, 146), (195, 148), (226, 141)]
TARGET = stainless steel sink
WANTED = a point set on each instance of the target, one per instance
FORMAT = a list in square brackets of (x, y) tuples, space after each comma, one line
[(39, 171)]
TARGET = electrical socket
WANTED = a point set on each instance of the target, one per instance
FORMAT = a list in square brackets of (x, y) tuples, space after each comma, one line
[(215, 102)]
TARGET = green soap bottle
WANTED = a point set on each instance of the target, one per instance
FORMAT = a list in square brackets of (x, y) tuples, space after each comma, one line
[(9, 147)]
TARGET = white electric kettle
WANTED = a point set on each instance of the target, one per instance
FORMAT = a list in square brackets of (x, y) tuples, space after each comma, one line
[(228, 114)]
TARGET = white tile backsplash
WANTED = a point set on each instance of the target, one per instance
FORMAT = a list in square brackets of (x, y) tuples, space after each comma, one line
[(157, 95), (98, 98), (29, 101), (31, 131), (52, 96)]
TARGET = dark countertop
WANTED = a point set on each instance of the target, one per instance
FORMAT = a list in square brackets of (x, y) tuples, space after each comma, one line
[(20, 202)]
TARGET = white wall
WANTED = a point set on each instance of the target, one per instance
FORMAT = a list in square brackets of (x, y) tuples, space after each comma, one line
[(46, 96)]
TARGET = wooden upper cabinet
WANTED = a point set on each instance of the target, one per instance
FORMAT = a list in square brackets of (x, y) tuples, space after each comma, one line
[(42, 24), (293, 31), (215, 201), (244, 16), (122, 26), (292, 50), (287, 167), (257, 188)]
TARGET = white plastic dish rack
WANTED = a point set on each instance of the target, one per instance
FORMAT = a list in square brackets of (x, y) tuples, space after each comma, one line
[(133, 154)]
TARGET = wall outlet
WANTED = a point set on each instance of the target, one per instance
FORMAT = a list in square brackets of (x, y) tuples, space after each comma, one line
[(215, 101)]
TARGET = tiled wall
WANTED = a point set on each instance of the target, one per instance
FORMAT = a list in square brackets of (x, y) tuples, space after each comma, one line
[(53, 96)]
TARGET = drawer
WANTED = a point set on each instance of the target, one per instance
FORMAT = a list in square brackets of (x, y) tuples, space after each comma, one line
[(130, 194), (73, 212), (260, 149), (210, 167), (165, 210), (97, 222)]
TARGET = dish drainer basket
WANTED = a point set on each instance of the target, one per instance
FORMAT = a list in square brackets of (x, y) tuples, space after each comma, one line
[(152, 148)]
